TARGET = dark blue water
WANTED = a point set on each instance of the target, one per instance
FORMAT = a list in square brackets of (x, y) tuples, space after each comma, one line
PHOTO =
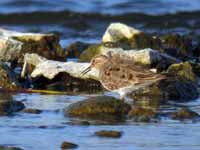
[(101, 6)]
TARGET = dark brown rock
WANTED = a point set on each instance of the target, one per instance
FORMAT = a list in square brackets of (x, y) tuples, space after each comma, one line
[(108, 133), (74, 50), (9, 148), (9, 107), (8, 78), (68, 145), (32, 111), (140, 114), (184, 113)]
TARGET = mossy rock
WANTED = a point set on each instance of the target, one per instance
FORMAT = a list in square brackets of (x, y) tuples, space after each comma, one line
[(46, 45), (99, 108), (90, 52), (9, 107), (75, 49), (140, 114), (181, 44), (184, 113), (68, 145), (183, 71), (167, 89), (179, 85), (108, 133), (143, 40), (8, 78)]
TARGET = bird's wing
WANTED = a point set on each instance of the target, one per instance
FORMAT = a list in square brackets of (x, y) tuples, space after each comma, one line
[(121, 75)]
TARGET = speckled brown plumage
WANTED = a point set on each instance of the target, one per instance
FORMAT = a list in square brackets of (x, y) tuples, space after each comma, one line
[(118, 72)]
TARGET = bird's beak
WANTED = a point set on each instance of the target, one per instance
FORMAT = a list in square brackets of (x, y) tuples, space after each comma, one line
[(85, 71)]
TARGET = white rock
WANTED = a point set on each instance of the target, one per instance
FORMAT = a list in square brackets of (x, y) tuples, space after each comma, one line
[(146, 56), (117, 31)]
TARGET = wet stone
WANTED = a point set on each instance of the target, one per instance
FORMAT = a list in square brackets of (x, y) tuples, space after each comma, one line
[(99, 108), (140, 114), (184, 113), (68, 145), (108, 133), (2, 147), (32, 111), (9, 107)]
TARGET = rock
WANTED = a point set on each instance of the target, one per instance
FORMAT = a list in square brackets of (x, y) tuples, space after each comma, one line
[(82, 123), (177, 45), (118, 31), (8, 78), (75, 49), (90, 52), (66, 83), (144, 40), (184, 113), (140, 114), (49, 68), (183, 71), (62, 76), (2, 147), (196, 68), (144, 56), (179, 85), (107, 133), (168, 89), (129, 38), (32, 111), (13, 45), (9, 107), (68, 145), (99, 108)]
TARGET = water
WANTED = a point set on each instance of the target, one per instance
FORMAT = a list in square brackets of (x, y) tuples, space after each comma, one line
[(86, 21), (49, 129), (101, 6)]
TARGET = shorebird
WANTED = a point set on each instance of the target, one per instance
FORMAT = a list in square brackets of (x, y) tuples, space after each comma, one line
[(121, 75)]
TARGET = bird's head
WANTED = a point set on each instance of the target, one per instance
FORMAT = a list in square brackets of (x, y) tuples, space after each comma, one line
[(97, 62)]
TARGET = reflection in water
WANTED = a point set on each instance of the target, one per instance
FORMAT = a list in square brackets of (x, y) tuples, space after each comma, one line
[(49, 129)]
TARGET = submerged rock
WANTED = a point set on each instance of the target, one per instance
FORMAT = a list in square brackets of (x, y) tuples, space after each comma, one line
[(68, 145), (9, 148), (108, 133), (140, 114), (13, 45), (8, 78), (184, 113), (100, 108), (9, 107), (32, 111)]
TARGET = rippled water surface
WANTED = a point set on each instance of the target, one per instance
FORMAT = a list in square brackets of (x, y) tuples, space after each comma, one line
[(49, 129), (101, 6)]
